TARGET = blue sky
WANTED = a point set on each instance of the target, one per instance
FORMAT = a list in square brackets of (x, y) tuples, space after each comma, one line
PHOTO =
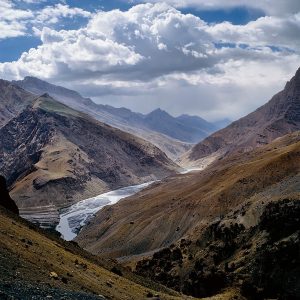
[(185, 56)]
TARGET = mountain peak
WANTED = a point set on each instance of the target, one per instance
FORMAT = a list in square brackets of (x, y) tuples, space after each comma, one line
[(159, 112)]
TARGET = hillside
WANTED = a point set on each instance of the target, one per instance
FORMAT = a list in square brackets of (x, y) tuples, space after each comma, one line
[(172, 135), (36, 264), (164, 213), (53, 155), (280, 116), (220, 227)]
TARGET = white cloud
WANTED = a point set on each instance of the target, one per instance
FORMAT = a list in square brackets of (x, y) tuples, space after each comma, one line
[(153, 55), (16, 22), (52, 14), (12, 20)]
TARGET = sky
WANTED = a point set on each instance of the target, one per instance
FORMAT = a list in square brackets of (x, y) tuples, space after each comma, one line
[(216, 59)]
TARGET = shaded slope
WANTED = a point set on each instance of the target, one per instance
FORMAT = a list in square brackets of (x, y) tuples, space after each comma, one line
[(280, 116), (185, 204), (54, 155), (5, 199)]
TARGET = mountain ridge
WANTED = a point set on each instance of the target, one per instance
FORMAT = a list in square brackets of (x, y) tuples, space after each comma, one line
[(163, 136), (55, 155), (279, 116)]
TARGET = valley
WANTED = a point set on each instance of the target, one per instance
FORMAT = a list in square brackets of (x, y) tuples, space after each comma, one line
[(141, 225), (73, 218)]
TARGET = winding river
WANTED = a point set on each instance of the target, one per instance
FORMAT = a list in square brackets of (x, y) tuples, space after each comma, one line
[(73, 218)]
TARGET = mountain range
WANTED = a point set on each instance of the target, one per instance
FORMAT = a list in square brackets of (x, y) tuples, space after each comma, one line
[(173, 135), (54, 155)]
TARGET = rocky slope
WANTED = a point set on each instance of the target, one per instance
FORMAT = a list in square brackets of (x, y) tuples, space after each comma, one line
[(12, 100), (261, 259), (173, 135), (280, 116), (54, 155), (35, 264), (234, 224)]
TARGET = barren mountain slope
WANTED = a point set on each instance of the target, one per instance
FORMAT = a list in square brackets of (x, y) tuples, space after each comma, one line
[(280, 116), (184, 204), (53, 155), (235, 224)]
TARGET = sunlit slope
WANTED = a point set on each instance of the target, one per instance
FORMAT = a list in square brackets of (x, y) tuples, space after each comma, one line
[(183, 205)]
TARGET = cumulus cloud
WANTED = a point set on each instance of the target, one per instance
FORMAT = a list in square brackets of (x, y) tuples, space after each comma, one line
[(12, 20), (154, 55), (52, 14), (16, 22)]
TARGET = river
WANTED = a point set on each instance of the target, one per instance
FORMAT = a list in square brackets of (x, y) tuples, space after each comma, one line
[(73, 218)]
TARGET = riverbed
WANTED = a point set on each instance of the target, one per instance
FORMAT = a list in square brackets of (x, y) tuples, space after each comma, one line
[(73, 218)]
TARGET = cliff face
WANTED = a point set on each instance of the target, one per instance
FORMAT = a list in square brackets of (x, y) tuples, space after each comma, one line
[(52, 154), (280, 116)]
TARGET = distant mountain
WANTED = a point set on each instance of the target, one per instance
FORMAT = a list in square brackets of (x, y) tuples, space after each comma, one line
[(54, 155), (172, 135), (280, 116), (185, 128)]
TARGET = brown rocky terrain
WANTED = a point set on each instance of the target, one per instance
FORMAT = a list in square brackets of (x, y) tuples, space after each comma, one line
[(35, 264), (280, 116), (261, 260), (234, 224), (54, 155)]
